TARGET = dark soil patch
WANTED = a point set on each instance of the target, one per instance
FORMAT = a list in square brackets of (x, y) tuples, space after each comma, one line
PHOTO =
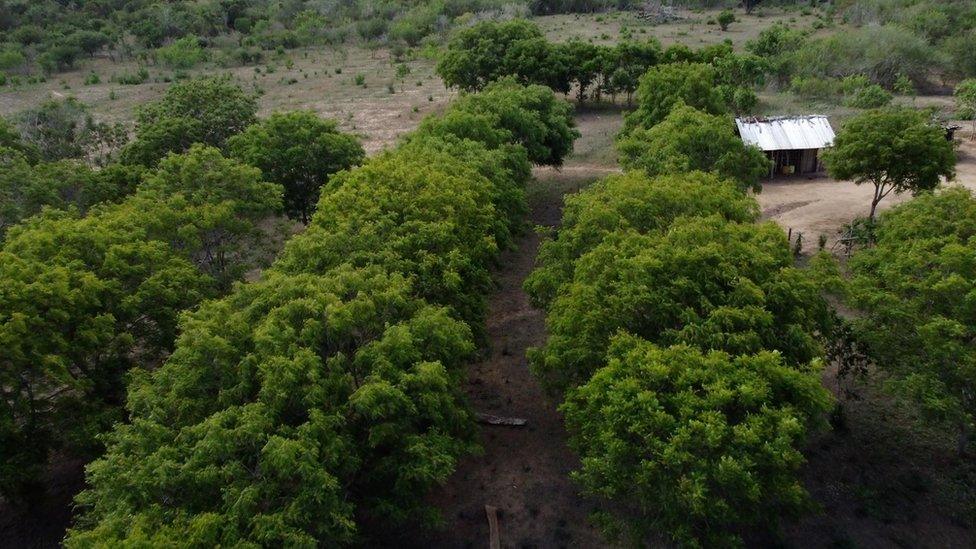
[(42, 522), (524, 471)]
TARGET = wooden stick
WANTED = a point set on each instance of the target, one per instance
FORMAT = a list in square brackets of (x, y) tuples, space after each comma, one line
[(494, 541), (500, 420)]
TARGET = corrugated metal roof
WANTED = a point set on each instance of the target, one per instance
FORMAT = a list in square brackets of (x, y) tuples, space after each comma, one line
[(786, 132)]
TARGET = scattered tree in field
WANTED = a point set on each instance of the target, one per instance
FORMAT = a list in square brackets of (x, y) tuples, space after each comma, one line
[(206, 111), (299, 151), (688, 139), (966, 100), (895, 150), (664, 86), (629, 201), (725, 18), (914, 288), (700, 446), (483, 53), (84, 299)]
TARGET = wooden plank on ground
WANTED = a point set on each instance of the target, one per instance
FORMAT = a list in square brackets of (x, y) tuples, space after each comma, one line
[(494, 540)]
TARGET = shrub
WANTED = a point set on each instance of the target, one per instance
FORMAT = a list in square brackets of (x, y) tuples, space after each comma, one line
[(184, 53), (869, 97), (725, 18)]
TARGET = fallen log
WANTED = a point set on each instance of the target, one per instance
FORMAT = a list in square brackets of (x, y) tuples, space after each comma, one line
[(500, 420)]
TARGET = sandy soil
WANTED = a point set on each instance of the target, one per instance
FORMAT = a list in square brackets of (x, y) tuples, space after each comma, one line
[(820, 205)]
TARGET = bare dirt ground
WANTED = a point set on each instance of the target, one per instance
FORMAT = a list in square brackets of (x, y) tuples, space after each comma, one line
[(319, 79), (820, 205), (524, 471)]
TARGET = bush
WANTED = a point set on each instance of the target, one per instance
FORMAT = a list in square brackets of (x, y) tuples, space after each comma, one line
[(662, 87), (725, 18), (184, 53), (869, 97)]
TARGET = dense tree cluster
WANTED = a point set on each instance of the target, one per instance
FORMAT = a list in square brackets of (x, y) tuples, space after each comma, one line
[(490, 50), (674, 319), (915, 288), (98, 262), (319, 404), (85, 298)]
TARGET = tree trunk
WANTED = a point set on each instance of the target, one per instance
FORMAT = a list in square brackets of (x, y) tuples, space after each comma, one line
[(962, 441)]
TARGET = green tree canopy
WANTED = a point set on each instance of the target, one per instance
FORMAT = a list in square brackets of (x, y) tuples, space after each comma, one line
[(699, 446), (705, 282), (916, 288), (206, 110), (629, 202), (534, 116), (299, 151), (482, 53), (664, 86), (688, 139), (84, 299), (895, 150), (289, 412)]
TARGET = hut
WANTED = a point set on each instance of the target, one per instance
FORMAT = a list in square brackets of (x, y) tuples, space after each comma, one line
[(793, 143)]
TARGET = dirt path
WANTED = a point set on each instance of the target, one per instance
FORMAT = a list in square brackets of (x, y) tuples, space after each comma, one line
[(524, 471)]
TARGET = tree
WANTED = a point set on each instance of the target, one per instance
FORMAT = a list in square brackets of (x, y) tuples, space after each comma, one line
[(60, 129), (630, 201), (725, 18), (699, 445), (895, 150), (10, 139), (535, 117), (290, 413), (913, 288), (299, 151), (207, 111), (85, 299), (704, 282), (483, 53), (662, 87), (965, 94), (688, 139)]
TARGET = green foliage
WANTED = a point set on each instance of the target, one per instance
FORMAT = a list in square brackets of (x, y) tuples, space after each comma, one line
[(487, 51), (869, 97), (207, 111), (688, 139), (965, 94), (896, 150), (299, 151), (633, 202), (25, 189), (915, 289), (725, 18), (184, 53), (84, 299), (705, 282), (664, 86), (704, 445), (535, 117), (318, 405), (288, 412), (60, 129)]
